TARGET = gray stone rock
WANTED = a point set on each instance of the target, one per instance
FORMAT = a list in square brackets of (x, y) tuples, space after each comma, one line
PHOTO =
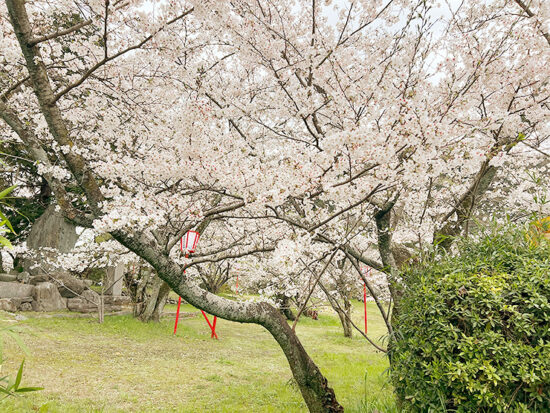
[(26, 307), (46, 297), (7, 304), (87, 303), (40, 278), (53, 231), (115, 279), (8, 277), (117, 300), (15, 290), (68, 285), (19, 301), (23, 277), (21, 317)]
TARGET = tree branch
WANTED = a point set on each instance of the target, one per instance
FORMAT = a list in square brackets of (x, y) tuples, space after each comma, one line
[(106, 59), (58, 33), (527, 10)]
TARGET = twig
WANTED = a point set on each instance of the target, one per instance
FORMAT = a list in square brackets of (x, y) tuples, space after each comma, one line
[(312, 289)]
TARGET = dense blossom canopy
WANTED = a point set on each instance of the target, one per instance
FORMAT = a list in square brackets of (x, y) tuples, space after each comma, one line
[(291, 124)]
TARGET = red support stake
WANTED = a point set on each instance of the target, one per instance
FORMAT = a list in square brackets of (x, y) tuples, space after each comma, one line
[(237, 286), (177, 316), (213, 328), (365, 301)]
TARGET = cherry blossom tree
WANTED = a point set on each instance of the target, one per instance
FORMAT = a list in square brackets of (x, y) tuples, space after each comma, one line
[(284, 132)]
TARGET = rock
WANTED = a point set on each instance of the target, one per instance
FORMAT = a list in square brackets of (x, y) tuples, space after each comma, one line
[(21, 317), (68, 285), (46, 297), (7, 304), (115, 279), (117, 300), (19, 301), (23, 277), (87, 303), (40, 278), (8, 277), (15, 290), (26, 307), (51, 230)]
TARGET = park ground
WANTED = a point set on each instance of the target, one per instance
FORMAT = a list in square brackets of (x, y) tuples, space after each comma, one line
[(124, 365)]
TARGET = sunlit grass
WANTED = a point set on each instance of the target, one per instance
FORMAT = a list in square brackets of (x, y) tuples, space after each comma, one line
[(124, 365)]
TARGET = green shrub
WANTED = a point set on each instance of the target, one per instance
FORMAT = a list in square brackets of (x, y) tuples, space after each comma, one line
[(473, 332)]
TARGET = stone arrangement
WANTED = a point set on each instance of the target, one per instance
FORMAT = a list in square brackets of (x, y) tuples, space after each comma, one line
[(42, 287), (57, 291)]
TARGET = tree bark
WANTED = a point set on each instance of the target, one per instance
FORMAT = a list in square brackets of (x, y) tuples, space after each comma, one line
[(346, 324), (154, 304), (318, 396), (285, 309)]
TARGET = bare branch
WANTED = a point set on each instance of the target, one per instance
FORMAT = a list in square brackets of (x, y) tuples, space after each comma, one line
[(530, 13), (105, 60), (313, 288), (59, 33)]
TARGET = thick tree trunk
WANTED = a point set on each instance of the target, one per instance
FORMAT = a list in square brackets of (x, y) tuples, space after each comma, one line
[(154, 304), (318, 396), (345, 318), (161, 301)]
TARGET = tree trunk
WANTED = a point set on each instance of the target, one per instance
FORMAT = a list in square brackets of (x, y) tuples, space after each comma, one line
[(318, 396), (154, 304), (285, 308), (346, 325), (345, 318)]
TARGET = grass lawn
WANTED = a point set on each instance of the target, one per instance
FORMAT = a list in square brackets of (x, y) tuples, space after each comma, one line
[(124, 365)]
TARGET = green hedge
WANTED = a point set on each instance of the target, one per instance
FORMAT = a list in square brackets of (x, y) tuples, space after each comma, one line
[(473, 333)]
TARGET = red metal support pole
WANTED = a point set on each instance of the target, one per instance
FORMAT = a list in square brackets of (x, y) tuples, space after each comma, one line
[(365, 301), (178, 312), (177, 316), (213, 328)]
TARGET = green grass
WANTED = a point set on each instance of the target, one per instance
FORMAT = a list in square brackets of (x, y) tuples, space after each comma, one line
[(124, 365)]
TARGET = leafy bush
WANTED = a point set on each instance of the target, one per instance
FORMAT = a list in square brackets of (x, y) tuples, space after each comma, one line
[(473, 332)]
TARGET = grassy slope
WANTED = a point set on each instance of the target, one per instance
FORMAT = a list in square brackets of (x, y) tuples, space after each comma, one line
[(124, 365)]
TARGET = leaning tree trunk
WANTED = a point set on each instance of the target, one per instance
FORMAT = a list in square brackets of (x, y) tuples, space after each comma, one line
[(318, 396), (344, 314)]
